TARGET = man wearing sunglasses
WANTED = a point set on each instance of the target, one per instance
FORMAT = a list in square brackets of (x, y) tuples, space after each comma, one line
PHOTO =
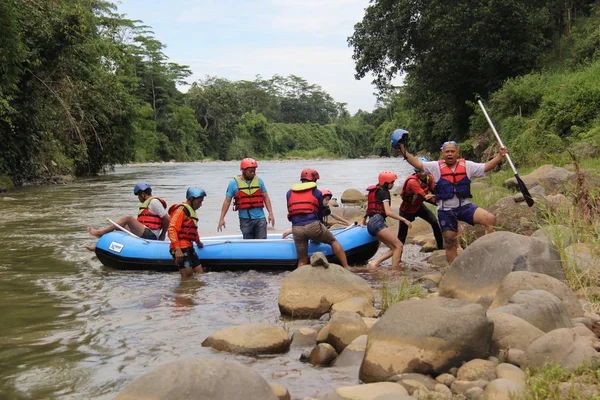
[(453, 190)]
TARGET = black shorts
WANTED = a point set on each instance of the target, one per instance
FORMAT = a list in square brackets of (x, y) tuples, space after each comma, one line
[(148, 234), (190, 258)]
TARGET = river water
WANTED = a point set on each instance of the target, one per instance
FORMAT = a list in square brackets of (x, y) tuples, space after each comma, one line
[(74, 329)]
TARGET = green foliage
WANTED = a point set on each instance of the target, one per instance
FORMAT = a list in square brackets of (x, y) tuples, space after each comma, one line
[(544, 383), (404, 290)]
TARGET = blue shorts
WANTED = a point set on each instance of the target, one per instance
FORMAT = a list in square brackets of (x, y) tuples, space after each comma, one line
[(448, 219), (376, 223)]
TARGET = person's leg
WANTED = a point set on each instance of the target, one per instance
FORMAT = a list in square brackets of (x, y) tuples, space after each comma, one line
[(403, 228), (427, 215), (247, 228), (128, 222), (449, 227), (301, 242), (485, 218), (319, 232), (390, 240), (260, 228)]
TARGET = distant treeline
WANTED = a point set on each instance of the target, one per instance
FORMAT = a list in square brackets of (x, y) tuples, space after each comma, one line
[(82, 88)]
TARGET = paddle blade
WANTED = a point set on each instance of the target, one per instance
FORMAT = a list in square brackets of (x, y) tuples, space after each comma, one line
[(523, 189)]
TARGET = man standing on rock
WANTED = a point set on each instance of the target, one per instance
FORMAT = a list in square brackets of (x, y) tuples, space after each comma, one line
[(453, 190)]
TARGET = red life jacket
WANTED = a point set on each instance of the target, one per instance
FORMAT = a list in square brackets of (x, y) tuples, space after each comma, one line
[(148, 218), (189, 228), (302, 200), (453, 182), (248, 195), (374, 205), (411, 202)]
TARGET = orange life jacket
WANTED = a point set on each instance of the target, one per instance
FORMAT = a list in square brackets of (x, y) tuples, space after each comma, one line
[(148, 218), (248, 195), (189, 228), (302, 200), (374, 205)]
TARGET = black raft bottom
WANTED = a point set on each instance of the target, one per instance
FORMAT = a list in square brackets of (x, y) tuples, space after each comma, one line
[(357, 256)]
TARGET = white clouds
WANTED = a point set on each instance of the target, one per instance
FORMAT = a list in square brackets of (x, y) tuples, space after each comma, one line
[(237, 40)]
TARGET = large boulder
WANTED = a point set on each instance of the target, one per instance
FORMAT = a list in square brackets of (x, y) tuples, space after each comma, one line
[(309, 292), (427, 336), (538, 307), (199, 379), (583, 256), (561, 346), (478, 270), (250, 339), (511, 332), (550, 177), (523, 280), (515, 217), (352, 196)]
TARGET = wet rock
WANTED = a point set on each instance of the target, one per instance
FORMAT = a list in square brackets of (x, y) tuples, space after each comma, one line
[(344, 327), (199, 378), (353, 354), (310, 292), (322, 354), (281, 392), (250, 339), (304, 337)]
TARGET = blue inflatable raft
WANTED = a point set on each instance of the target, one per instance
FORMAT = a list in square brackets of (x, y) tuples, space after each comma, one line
[(122, 251)]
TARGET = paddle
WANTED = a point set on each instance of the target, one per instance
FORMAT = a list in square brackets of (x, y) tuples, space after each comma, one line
[(522, 186)]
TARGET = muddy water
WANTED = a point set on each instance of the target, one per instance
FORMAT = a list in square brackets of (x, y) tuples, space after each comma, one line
[(73, 329)]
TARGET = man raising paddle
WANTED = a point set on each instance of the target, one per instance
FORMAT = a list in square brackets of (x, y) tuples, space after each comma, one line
[(453, 190)]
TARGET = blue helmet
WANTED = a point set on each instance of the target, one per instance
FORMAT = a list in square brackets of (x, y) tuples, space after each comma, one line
[(398, 136), (194, 193), (141, 187), (422, 159)]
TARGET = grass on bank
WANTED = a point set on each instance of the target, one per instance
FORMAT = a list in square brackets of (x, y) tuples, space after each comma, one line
[(545, 383), (404, 290)]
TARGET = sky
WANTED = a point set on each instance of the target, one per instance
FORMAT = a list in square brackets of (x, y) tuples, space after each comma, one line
[(240, 39)]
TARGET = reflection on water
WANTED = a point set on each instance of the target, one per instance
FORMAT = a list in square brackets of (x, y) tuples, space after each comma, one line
[(73, 329)]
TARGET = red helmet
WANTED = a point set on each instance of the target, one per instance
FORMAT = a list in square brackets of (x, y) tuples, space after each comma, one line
[(387, 177), (309, 174), (326, 192), (248, 163)]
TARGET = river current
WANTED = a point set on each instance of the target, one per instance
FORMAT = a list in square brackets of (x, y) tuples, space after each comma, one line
[(74, 329)]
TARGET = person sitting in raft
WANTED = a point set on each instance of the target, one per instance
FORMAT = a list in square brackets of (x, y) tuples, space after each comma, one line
[(152, 220), (378, 208), (250, 197), (183, 233), (327, 195), (305, 212)]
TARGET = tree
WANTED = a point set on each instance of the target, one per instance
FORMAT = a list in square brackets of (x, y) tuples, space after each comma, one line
[(450, 51)]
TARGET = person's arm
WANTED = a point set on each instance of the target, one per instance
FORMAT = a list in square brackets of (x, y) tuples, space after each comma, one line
[(391, 214), (271, 217), (165, 226), (224, 208), (173, 232), (339, 218), (493, 163), (412, 160)]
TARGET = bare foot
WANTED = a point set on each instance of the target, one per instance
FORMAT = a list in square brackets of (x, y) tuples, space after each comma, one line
[(94, 232), (398, 267), (372, 266), (91, 248)]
